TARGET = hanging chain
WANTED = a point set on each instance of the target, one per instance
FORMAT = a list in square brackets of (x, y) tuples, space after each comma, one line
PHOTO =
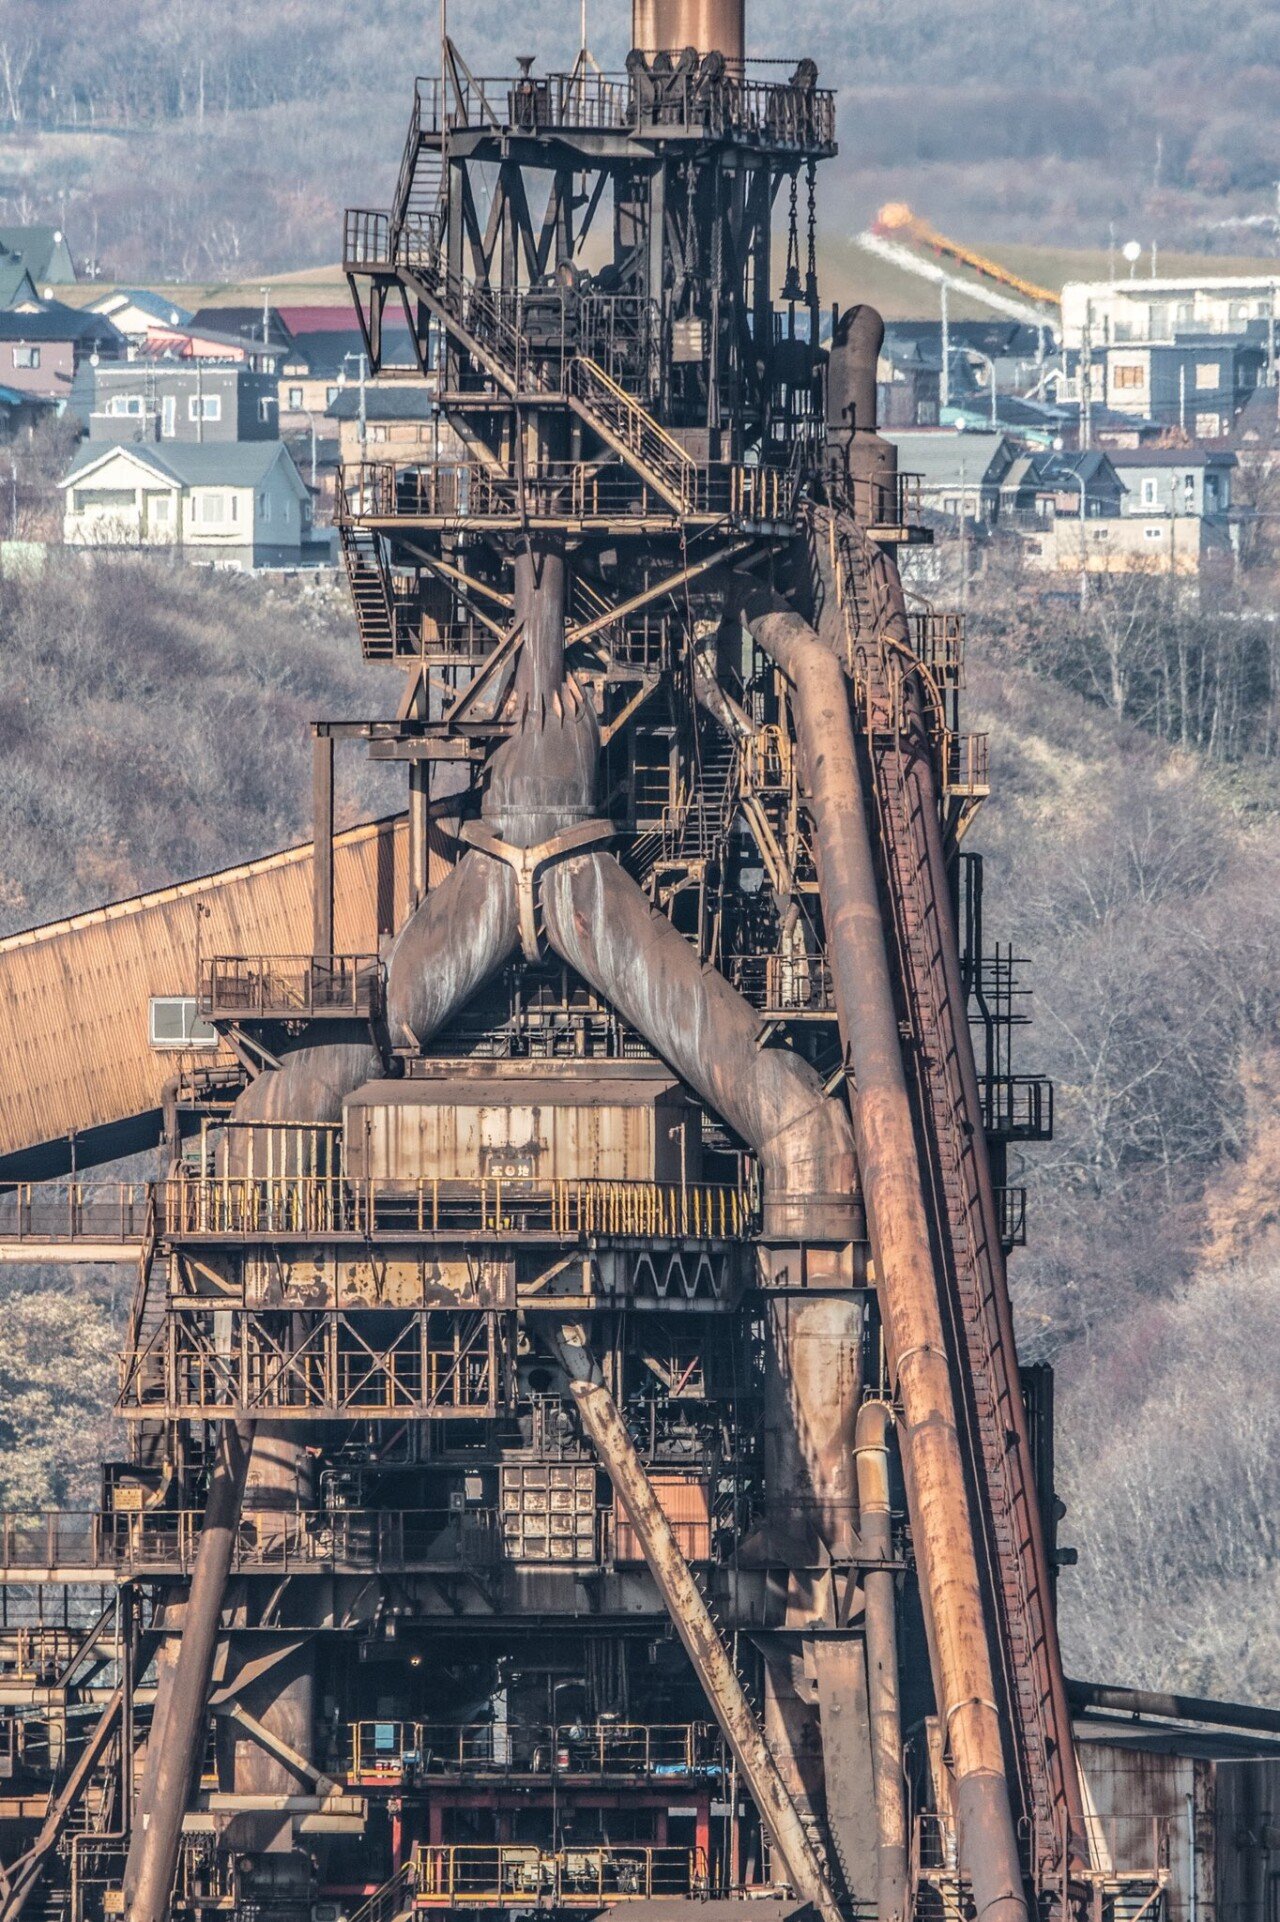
[(791, 289), (811, 269)]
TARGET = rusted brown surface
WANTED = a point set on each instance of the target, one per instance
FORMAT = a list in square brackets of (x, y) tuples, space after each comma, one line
[(689, 1615), (600, 923), (888, 1161), (708, 26), (875, 1423), (153, 1853)]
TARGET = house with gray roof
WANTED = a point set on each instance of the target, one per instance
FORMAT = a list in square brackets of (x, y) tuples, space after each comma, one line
[(959, 471), (234, 504), (44, 254)]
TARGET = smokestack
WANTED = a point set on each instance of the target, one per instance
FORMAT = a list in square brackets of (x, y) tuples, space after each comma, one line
[(709, 26)]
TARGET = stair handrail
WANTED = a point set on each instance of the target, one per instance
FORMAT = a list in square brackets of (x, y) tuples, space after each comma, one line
[(384, 1904)]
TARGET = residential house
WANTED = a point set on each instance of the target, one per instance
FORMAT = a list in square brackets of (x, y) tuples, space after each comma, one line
[(263, 336), (235, 504), (182, 400), (401, 423), (327, 352), (49, 353), (44, 254), (17, 289), (138, 314), (1182, 545), (1186, 353), (960, 473), (1050, 483), (1184, 481)]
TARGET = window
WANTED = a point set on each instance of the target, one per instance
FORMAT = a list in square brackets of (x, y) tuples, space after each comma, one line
[(1208, 426), (295, 398), (211, 509), (330, 395), (160, 508), (1186, 314), (265, 406), (1208, 376), (1129, 374), (104, 500), (26, 357), (264, 507), (377, 433), (169, 416), (176, 1024), (1150, 491), (204, 407), (1153, 533), (125, 404)]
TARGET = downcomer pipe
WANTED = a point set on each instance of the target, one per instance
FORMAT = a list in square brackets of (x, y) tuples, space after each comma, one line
[(888, 1161), (153, 1854), (871, 1450)]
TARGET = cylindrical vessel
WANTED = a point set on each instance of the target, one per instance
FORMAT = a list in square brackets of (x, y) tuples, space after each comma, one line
[(813, 1378), (708, 26)]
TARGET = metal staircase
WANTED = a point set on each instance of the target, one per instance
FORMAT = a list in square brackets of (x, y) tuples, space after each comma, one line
[(394, 1901), (623, 424), (370, 591)]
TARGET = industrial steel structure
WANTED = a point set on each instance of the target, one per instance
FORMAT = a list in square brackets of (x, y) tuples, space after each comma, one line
[(577, 1455)]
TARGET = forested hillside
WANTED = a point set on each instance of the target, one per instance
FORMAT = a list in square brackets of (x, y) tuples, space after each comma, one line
[(151, 722), (216, 140)]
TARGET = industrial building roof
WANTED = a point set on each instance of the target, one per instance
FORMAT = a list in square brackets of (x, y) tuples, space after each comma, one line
[(75, 994)]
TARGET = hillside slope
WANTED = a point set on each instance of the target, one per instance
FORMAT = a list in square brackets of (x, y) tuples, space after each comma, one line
[(187, 145), (152, 721)]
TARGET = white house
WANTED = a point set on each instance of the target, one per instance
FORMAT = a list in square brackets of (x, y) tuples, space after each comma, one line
[(232, 503)]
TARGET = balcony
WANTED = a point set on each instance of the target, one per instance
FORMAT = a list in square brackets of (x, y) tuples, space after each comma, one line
[(390, 1753), (111, 1216), (290, 987), (735, 106), (786, 987), (71, 1546), (1017, 1107), (520, 1875), (561, 493)]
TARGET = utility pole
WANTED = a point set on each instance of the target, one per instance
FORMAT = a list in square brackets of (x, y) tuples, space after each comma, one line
[(944, 390)]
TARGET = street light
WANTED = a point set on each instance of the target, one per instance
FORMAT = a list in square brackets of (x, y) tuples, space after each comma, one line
[(1084, 557), (364, 374)]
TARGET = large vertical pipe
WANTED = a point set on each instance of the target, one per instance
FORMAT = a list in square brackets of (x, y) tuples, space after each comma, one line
[(603, 1422), (943, 1524), (813, 1369), (153, 1851), (708, 26), (881, 1628), (278, 1485)]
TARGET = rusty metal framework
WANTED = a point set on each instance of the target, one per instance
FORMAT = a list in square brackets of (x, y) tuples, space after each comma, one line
[(577, 1449)]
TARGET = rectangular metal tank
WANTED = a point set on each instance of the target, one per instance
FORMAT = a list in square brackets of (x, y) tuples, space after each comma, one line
[(599, 1125)]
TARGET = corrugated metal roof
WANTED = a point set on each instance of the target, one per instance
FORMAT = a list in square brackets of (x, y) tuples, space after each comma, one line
[(75, 994)]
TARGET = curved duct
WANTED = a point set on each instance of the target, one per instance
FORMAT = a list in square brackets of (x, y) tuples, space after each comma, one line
[(898, 1224)]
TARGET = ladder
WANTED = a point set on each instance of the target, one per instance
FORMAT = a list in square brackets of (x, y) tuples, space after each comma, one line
[(371, 594), (1028, 1646)]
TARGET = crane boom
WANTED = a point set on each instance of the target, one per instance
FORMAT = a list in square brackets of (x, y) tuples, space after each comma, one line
[(897, 219)]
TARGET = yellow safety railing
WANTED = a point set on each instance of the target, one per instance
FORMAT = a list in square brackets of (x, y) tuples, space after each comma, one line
[(515, 1873), (322, 1205)]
